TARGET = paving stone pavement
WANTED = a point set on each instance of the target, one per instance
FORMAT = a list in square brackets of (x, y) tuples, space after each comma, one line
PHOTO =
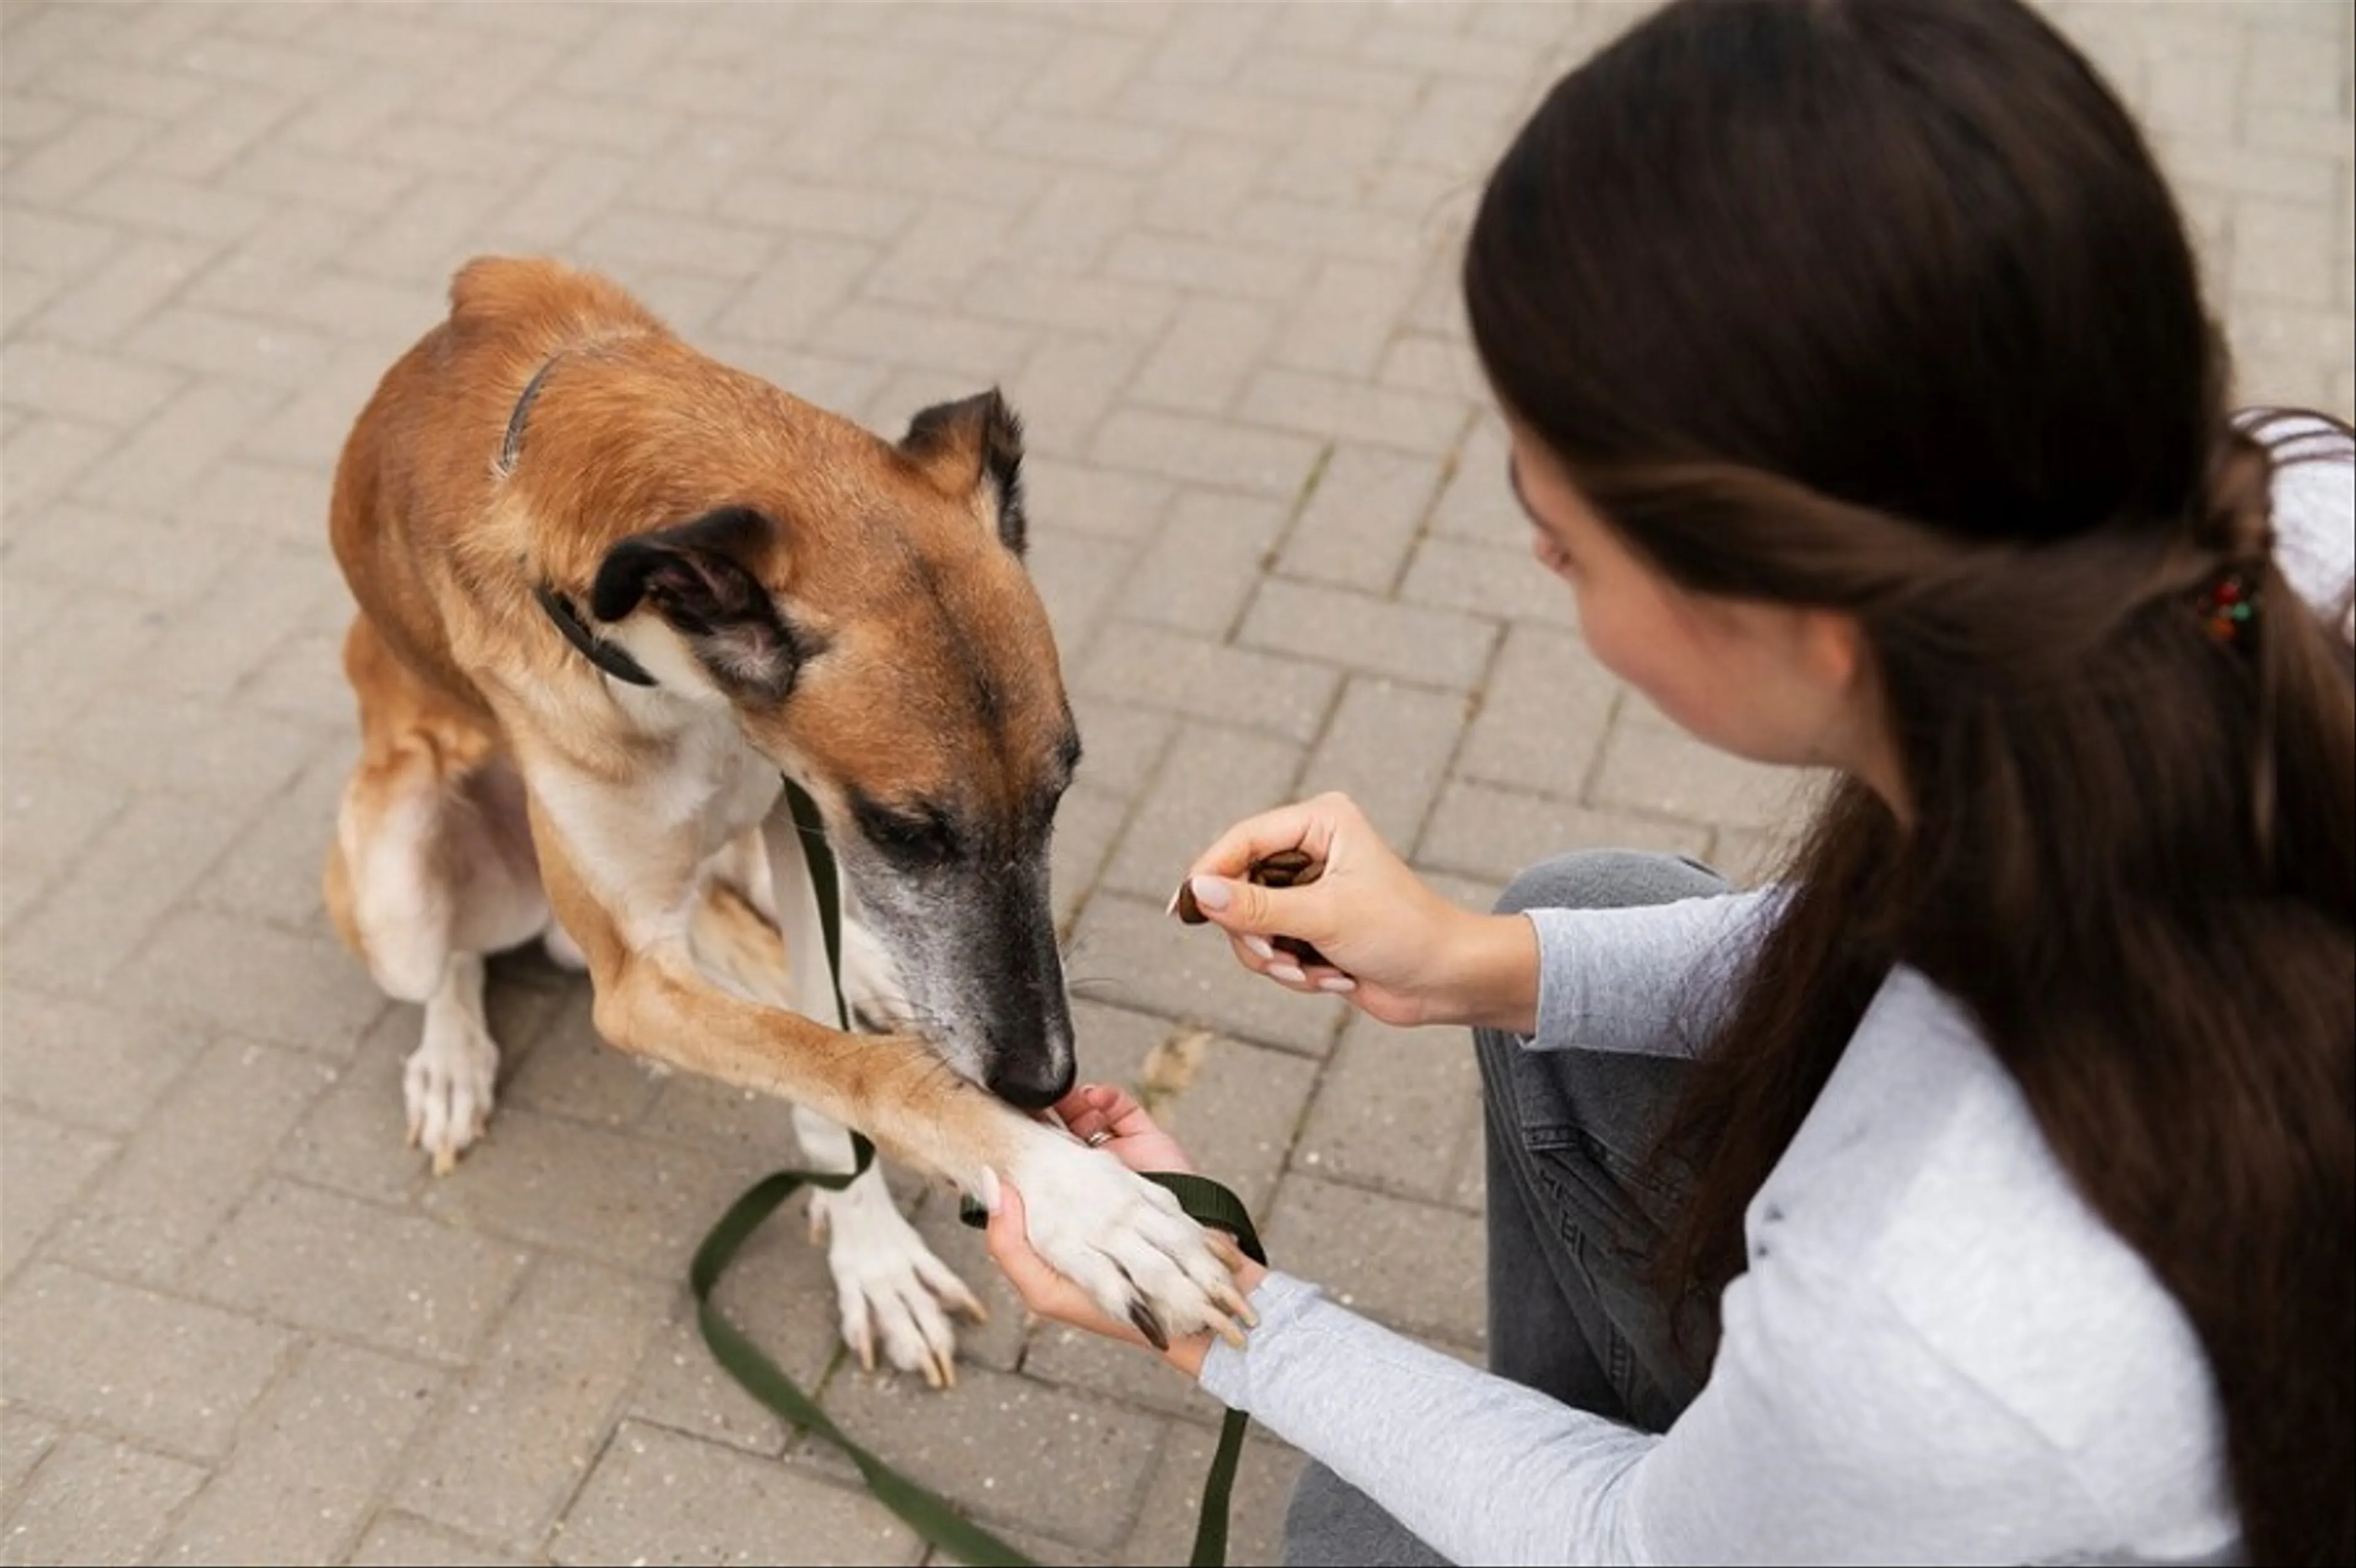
[(1209, 252)]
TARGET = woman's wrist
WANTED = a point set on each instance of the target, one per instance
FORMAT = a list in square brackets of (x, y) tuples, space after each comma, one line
[(1492, 962)]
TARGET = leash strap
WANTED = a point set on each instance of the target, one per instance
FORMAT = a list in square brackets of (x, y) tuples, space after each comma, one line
[(826, 885), (931, 1515), (1208, 1203), (927, 1512)]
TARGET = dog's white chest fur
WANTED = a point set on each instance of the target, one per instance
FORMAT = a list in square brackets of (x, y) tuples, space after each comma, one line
[(650, 842)]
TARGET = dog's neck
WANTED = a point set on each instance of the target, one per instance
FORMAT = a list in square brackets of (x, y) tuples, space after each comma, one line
[(610, 658)]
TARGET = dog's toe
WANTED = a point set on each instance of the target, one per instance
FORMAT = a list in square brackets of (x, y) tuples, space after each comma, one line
[(858, 1333), (447, 1086), (896, 1299), (1125, 1242)]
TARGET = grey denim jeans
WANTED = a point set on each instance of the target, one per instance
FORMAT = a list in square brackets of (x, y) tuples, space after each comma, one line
[(1574, 1218)]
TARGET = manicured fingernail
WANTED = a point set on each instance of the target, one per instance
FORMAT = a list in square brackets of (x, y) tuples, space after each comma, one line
[(989, 1193), (1209, 891), (1340, 984), (1260, 948), (1286, 973)]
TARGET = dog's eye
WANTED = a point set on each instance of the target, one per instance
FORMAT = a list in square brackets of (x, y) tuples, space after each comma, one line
[(921, 837)]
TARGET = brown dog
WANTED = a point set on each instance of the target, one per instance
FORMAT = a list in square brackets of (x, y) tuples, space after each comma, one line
[(610, 590)]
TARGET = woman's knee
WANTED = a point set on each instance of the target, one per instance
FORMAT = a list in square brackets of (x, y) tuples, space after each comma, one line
[(1608, 878), (1331, 1522)]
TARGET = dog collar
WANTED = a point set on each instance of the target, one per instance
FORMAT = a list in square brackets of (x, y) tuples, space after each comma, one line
[(610, 658)]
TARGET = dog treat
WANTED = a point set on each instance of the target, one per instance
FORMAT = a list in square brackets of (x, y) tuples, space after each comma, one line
[(1285, 869)]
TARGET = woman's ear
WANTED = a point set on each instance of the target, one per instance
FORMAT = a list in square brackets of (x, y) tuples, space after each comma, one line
[(1831, 649)]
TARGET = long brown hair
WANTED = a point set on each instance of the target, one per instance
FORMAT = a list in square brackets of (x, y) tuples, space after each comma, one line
[(1884, 307)]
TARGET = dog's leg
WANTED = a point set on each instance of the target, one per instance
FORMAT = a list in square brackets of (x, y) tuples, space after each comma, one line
[(450, 1080), (892, 1291), (431, 869), (889, 1288), (1121, 1238), (888, 1283)]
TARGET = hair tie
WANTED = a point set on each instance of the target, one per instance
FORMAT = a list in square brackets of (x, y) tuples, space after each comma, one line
[(2227, 604)]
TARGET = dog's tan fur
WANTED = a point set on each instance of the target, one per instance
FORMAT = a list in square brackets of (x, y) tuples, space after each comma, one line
[(646, 808)]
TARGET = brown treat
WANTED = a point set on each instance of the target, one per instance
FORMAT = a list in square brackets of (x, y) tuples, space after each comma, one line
[(1285, 869)]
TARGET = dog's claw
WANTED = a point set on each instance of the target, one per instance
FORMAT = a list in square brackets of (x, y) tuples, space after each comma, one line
[(963, 1301), (862, 1341), (1149, 1325)]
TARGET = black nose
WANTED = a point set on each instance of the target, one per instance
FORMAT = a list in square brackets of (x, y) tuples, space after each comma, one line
[(1033, 1084)]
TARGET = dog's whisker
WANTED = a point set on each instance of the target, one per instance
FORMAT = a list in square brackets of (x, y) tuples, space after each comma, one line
[(1100, 987)]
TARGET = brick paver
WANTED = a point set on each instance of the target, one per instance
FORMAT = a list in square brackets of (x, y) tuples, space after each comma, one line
[(1209, 250)]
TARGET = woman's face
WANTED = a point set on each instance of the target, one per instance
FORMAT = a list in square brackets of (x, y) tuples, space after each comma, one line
[(1764, 681)]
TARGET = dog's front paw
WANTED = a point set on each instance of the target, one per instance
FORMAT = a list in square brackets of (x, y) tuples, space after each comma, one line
[(448, 1086), (893, 1293), (1125, 1241)]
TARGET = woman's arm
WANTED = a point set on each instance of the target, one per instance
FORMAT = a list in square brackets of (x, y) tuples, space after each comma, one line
[(1652, 978)]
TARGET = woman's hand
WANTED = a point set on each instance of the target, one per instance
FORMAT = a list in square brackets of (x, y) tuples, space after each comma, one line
[(1396, 949), (1112, 1120)]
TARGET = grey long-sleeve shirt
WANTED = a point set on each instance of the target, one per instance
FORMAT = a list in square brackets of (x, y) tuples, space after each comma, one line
[(1937, 1353)]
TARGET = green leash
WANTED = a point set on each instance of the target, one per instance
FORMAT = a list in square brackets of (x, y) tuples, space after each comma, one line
[(931, 1515)]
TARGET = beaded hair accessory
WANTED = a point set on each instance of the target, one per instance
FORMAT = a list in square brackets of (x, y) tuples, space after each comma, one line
[(2227, 605)]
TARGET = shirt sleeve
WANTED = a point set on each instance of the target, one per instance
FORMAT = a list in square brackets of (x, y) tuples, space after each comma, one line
[(1655, 979), (2313, 495), (1829, 1432)]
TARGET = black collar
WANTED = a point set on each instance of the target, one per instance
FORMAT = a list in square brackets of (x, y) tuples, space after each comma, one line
[(610, 658), (512, 447)]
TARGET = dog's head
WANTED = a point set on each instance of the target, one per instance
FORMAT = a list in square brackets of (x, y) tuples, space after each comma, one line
[(869, 618)]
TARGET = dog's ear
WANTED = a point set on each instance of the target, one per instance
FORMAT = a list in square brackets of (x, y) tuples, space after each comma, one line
[(701, 577), (976, 441)]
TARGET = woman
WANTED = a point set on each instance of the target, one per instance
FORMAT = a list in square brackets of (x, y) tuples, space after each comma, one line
[(1985, 1190)]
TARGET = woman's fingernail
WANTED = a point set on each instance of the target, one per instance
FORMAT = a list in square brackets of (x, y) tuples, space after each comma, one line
[(1259, 947), (1286, 973), (1209, 891), (1340, 984), (989, 1193)]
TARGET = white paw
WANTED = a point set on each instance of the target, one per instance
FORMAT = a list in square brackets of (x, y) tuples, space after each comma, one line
[(448, 1087), (1123, 1240), (894, 1296)]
